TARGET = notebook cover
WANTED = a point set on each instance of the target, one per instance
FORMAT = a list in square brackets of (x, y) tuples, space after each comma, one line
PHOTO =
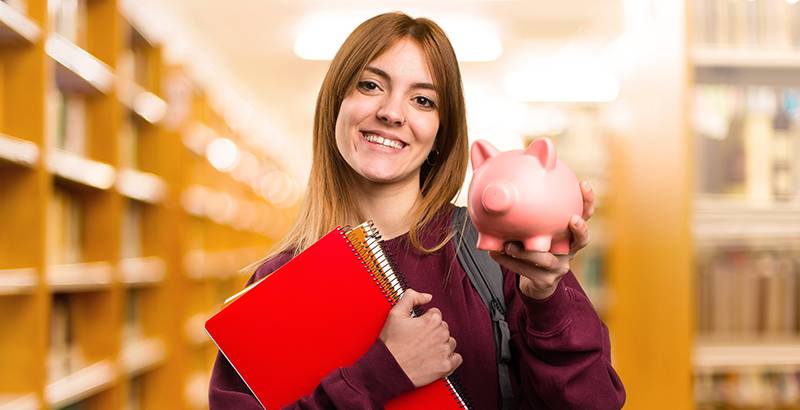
[(320, 311)]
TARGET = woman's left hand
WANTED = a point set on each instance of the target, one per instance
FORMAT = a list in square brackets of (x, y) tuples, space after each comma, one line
[(540, 272)]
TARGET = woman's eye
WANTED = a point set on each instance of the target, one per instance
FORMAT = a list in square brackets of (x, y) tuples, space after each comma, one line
[(424, 101), (368, 85)]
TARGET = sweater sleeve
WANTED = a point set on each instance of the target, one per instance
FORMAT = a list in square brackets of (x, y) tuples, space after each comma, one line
[(369, 383), (372, 380), (560, 350)]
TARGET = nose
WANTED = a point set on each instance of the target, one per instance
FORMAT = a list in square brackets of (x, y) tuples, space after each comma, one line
[(391, 112), (498, 197)]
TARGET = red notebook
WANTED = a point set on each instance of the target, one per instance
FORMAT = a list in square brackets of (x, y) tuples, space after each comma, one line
[(284, 333)]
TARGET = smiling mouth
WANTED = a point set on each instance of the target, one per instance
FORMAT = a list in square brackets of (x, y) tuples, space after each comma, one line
[(386, 142)]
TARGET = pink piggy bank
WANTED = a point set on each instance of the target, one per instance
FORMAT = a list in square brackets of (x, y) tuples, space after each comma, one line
[(527, 196)]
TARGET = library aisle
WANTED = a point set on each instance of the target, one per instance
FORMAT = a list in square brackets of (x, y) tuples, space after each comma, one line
[(149, 152), (125, 221)]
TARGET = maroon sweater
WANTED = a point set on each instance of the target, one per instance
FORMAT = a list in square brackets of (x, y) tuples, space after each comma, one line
[(560, 348)]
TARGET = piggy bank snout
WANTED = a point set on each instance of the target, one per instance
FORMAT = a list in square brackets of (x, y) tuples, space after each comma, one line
[(498, 197)]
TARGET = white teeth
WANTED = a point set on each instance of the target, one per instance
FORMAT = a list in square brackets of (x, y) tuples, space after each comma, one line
[(383, 141)]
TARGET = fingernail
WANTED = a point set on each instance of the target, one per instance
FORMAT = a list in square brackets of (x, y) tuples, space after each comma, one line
[(575, 220)]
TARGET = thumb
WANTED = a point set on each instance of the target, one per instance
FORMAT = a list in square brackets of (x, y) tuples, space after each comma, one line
[(410, 299)]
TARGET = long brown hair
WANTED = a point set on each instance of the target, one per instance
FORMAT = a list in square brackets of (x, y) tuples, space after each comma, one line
[(329, 201)]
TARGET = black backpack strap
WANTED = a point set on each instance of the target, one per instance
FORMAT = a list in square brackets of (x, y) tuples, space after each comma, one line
[(487, 279)]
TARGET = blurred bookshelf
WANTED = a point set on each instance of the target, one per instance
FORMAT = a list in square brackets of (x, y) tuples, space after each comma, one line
[(119, 239), (745, 118)]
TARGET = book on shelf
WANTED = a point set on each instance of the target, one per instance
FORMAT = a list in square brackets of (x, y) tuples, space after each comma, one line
[(748, 295), (69, 19), (64, 355), (66, 121), (60, 338), (747, 389), (782, 155), (757, 143), (131, 235), (133, 400), (132, 328), (64, 227), (746, 24), (794, 26), (748, 141)]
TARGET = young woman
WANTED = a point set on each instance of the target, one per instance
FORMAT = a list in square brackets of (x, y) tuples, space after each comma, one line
[(390, 144)]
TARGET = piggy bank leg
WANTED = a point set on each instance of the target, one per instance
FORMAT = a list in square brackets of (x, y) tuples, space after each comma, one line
[(539, 243), (489, 243)]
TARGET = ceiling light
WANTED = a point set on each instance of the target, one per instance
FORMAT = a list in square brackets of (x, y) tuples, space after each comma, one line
[(580, 79), (321, 35), (223, 154)]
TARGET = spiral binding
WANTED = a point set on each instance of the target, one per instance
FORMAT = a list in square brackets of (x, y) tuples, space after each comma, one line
[(457, 390), (365, 241)]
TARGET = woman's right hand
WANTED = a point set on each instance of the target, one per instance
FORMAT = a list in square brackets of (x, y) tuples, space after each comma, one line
[(421, 345)]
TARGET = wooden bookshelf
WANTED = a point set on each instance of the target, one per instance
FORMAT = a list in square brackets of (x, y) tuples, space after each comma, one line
[(146, 105), (739, 58), (97, 305), (141, 356), (19, 402), (24, 191), (142, 271), (18, 151), (196, 390), (80, 171), (745, 225), (16, 27), (81, 384), (77, 70), (141, 186), (80, 277), (776, 355), (719, 221), (195, 329), (649, 197), (18, 281)]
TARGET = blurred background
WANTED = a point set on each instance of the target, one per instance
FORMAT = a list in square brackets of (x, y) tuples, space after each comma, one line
[(149, 149)]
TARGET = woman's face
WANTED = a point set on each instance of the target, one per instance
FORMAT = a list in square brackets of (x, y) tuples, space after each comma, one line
[(387, 125)]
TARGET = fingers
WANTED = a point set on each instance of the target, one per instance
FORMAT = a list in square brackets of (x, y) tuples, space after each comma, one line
[(588, 199), (542, 260), (528, 268), (455, 361), (515, 265), (580, 233), (434, 317), (440, 331), (410, 299)]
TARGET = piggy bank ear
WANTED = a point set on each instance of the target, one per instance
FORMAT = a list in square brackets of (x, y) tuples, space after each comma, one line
[(480, 152), (544, 150)]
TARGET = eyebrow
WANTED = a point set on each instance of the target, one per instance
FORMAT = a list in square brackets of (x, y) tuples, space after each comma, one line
[(377, 71)]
